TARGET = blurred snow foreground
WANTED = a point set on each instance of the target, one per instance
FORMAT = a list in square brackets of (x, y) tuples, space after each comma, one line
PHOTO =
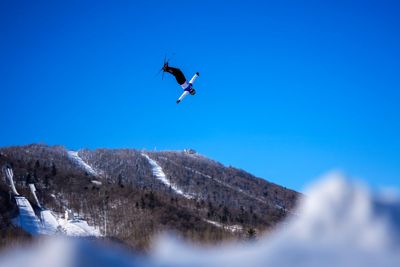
[(339, 223)]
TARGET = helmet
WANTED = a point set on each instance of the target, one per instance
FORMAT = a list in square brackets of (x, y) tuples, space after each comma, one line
[(192, 91)]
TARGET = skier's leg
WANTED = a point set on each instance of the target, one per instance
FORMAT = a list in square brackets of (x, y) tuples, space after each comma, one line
[(180, 78)]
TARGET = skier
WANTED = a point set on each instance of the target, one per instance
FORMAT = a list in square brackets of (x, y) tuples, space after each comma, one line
[(180, 78)]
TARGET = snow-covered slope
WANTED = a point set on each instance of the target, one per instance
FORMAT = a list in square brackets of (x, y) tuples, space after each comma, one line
[(10, 179), (339, 223), (76, 158), (78, 228), (33, 191), (46, 223), (50, 225), (158, 172), (27, 219)]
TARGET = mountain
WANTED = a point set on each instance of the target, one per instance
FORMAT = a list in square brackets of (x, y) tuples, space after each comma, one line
[(129, 195)]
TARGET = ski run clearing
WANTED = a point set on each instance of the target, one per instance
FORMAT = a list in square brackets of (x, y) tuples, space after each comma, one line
[(160, 175), (75, 157), (220, 182)]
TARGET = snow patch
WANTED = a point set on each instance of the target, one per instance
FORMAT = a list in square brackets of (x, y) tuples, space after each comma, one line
[(230, 228), (159, 173), (234, 228), (97, 183), (78, 227), (217, 224)]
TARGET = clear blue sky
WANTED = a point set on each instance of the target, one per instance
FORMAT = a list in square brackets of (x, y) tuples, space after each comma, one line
[(288, 89)]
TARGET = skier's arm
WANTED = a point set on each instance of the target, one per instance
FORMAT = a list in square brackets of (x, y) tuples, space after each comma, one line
[(185, 93), (194, 78)]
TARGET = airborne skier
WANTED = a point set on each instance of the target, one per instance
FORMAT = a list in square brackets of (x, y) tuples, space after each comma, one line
[(180, 78)]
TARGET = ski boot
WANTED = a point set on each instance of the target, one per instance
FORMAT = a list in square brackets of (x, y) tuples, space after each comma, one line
[(165, 67)]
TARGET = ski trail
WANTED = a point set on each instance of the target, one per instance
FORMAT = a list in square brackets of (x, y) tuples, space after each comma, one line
[(27, 219), (159, 173), (220, 182), (9, 174), (33, 191), (49, 224), (277, 206), (75, 157), (227, 185)]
